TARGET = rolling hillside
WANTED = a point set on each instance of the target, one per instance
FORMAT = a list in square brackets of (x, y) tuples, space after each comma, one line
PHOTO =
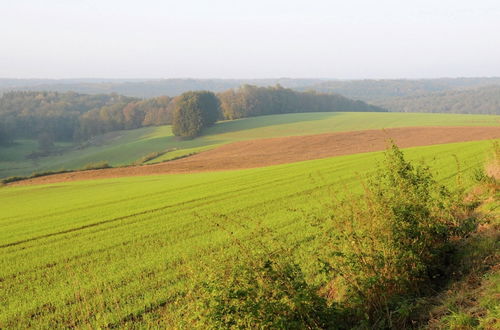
[(485, 100), (383, 89), (126, 147), (127, 252)]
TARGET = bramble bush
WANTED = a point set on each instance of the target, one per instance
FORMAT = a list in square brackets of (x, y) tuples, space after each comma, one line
[(394, 241), (384, 249), (265, 293)]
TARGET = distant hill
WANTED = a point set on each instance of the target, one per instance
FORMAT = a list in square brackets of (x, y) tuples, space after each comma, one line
[(370, 90), (483, 100), (144, 88)]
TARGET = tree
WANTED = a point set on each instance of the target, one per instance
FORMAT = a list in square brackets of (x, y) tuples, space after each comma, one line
[(4, 139), (45, 141), (193, 112)]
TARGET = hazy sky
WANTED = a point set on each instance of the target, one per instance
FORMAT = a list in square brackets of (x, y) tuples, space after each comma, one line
[(249, 39)]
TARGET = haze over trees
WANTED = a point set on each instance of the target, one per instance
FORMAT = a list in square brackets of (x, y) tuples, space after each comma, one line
[(143, 88), (484, 100), (370, 89)]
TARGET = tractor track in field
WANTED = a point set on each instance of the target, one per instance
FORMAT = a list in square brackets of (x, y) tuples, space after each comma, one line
[(274, 151)]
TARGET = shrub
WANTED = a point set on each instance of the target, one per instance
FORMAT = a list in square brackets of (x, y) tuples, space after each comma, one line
[(96, 166), (395, 240), (492, 168), (148, 157), (13, 179), (263, 293)]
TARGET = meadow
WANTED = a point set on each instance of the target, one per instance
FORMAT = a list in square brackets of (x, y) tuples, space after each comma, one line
[(123, 252), (126, 147)]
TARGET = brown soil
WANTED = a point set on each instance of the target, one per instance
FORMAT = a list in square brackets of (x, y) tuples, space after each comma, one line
[(265, 152)]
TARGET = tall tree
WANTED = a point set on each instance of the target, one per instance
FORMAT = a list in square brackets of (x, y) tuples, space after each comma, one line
[(193, 112)]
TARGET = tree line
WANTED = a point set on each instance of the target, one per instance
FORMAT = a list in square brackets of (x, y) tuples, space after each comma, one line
[(384, 89), (485, 100), (72, 116), (250, 101)]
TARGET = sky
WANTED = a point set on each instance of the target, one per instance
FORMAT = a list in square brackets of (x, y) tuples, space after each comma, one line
[(348, 39)]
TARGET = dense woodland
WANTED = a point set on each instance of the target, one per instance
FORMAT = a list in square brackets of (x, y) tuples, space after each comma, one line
[(365, 90), (72, 116), (485, 100), (371, 90), (248, 101), (143, 88), (75, 117)]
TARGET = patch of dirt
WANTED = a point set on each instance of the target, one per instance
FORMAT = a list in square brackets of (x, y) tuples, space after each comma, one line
[(266, 152)]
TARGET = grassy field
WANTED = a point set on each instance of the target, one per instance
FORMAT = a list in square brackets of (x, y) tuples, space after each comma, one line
[(119, 252), (126, 147)]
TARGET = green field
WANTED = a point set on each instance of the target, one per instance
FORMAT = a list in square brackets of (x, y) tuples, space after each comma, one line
[(126, 147), (118, 252)]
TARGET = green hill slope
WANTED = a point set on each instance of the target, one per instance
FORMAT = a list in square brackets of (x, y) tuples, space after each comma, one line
[(126, 147), (117, 252)]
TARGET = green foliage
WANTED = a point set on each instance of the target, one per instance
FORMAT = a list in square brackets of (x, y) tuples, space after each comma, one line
[(96, 166), (263, 292), (28, 114), (194, 112), (149, 157), (33, 175), (483, 100), (249, 101), (396, 239), (71, 116)]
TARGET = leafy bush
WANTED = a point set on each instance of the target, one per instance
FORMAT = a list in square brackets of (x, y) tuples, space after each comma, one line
[(13, 179), (96, 166), (394, 241), (492, 169), (263, 293), (33, 175)]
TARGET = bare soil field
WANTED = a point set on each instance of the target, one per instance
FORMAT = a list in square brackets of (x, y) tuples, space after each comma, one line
[(266, 152)]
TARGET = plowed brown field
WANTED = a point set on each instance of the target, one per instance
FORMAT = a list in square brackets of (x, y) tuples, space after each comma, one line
[(265, 152)]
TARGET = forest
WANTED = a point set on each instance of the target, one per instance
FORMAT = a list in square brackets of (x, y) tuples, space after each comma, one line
[(71, 116), (370, 90), (484, 100)]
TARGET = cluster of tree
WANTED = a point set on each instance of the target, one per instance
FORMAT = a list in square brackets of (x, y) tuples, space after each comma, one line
[(125, 115), (54, 116), (370, 90), (72, 116), (196, 110), (28, 114), (485, 100), (248, 101)]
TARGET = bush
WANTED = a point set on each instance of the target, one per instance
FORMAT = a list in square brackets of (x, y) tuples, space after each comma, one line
[(394, 242), (13, 179), (96, 166), (263, 293)]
